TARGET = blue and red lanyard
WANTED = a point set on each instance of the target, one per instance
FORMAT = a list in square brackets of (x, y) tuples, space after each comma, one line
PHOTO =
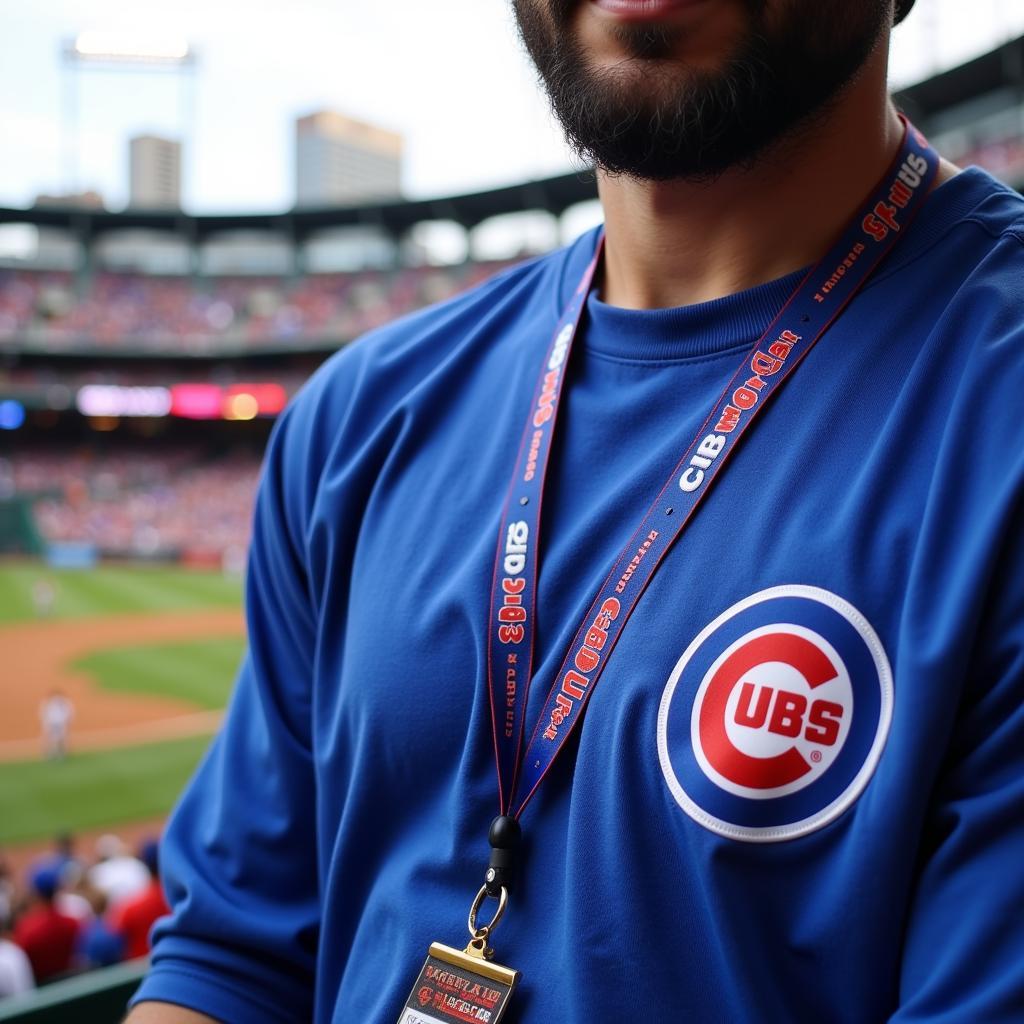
[(815, 303)]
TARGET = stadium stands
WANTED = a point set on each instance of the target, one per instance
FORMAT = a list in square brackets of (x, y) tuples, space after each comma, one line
[(137, 312), (177, 504)]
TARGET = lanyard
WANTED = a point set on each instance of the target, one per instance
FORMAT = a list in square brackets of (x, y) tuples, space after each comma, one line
[(812, 307)]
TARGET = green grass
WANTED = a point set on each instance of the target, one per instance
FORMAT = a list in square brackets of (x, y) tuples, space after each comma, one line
[(199, 671), (114, 589), (97, 789), (94, 789)]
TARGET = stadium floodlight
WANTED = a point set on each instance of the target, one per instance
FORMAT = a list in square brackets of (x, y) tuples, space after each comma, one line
[(118, 51), (120, 47)]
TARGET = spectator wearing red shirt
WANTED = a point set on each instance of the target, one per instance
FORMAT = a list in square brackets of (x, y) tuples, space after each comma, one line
[(47, 936), (133, 919)]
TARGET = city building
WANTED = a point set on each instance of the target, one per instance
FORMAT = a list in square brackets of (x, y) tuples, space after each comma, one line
[(339, 160), (155, 172), (89, 200)]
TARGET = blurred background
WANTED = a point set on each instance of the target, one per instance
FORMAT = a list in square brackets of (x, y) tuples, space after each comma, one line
[(198, 205)]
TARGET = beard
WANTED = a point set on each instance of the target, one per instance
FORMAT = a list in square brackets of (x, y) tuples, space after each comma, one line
[(654, 118)]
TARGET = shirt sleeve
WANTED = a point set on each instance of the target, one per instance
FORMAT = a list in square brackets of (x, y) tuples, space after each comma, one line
[(238, 860), (964, 949)]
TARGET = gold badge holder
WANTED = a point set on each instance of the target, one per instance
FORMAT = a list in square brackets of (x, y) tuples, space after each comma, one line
[(455, 985)]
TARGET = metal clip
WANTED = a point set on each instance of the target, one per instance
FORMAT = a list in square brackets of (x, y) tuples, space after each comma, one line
[(478, 946)]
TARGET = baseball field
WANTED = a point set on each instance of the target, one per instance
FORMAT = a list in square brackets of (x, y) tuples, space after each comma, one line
[(147, 656)]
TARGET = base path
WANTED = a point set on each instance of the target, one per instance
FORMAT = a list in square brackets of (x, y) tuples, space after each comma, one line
[(37, 657)]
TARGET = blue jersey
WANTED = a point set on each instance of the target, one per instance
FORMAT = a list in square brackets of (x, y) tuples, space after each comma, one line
[(797, 794)]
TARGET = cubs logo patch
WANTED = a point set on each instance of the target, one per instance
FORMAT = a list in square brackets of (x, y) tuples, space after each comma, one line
[(775, 716)]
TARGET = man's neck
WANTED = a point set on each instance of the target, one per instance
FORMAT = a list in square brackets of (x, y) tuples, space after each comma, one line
[(675, 243)]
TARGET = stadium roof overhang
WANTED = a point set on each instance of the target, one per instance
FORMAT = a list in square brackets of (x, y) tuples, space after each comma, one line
[(996, 71), (553, 195)]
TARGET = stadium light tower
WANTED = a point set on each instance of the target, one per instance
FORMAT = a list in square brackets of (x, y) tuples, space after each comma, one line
[(124, 52)]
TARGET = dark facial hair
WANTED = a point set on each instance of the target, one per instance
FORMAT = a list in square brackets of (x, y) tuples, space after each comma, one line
[(666, 121)]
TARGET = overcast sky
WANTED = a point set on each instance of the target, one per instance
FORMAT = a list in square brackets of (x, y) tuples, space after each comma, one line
[(448, 74)]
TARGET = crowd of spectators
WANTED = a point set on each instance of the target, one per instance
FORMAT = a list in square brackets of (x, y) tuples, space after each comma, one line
[(1004, 157), (138, 311), (169, 502), (71, 914)]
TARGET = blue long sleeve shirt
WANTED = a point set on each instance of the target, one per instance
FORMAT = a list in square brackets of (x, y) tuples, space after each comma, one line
[(722, 841)]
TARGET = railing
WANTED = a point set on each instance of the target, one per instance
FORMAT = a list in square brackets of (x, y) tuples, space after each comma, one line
[(98, 997)]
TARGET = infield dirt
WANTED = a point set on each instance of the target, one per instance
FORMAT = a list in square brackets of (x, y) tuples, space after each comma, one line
[(36, 657)]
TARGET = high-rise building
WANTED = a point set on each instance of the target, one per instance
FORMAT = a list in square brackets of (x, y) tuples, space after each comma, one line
[(341, 160), (155, 172)]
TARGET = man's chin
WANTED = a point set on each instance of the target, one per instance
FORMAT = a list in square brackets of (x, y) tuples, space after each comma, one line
[(695, 102)]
